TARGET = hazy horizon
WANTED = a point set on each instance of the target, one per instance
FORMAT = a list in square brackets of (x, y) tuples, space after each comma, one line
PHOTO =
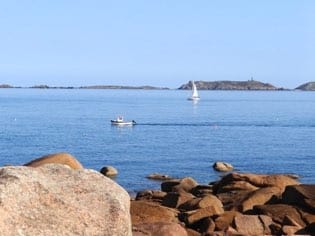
[(162, 44)]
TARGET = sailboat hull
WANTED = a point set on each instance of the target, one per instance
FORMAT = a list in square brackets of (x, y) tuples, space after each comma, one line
[(193, 98)]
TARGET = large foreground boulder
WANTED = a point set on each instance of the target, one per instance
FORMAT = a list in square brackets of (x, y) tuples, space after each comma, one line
[(56, 158), (56, 200)]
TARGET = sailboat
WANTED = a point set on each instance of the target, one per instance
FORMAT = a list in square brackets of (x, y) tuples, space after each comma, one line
[(194, 96)]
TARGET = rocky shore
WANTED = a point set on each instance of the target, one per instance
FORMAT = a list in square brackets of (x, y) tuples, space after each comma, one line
[(55, 195)]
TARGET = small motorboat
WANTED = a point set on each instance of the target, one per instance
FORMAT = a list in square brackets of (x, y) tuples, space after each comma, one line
[(120, 121)]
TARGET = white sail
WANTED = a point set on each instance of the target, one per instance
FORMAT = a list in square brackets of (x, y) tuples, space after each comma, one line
[(195, 95)]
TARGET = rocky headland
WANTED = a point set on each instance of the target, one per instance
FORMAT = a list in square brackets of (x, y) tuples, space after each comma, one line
[(56, 195), (230, 85), (310, 86)]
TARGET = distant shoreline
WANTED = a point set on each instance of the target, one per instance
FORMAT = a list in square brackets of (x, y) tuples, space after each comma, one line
[(250, 85)]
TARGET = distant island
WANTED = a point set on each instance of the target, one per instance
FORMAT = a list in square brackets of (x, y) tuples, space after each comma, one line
[(6, 86), (310, 86), (145, 87), (230, 85)]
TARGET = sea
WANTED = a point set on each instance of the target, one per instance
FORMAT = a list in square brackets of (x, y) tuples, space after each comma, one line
[(264, 132)]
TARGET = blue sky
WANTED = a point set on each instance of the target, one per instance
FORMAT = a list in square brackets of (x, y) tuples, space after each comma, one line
[(160, 43)]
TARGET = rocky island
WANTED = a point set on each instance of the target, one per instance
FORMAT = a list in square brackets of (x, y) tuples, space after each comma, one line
[(310, 86), (230, 85)]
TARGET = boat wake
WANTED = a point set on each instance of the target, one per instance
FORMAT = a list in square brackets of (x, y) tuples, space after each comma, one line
[(230, 124)]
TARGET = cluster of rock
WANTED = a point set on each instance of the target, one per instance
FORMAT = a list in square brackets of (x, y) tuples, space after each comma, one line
[(238, 204), (55, 195), (230, 85)]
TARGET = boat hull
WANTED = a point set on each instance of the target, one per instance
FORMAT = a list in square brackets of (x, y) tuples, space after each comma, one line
[(122, 123)]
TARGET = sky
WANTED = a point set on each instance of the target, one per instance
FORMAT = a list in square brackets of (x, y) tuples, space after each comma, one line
[(161, 43)]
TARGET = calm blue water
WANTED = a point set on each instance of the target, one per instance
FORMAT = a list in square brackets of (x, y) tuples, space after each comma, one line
[(262, 132)]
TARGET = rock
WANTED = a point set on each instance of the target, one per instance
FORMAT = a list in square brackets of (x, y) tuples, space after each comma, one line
[(248, 225), (177, 185), (236, 186), (109, 171), (157, 176), (192, 232), (290, 230), (206, 226), (56, 200), (232, 199), (191, 217), (159, 229), (185, 184), (57, 158), (308, 218), (258, 197), (175, 199), (151, 212), (202, 190), (167, 186), (223, 221), (268, 225), (198, 203), (301, 195), (151, 194), (278, 213), (259, 181), (222, 166), (309, 229), (144, 195)]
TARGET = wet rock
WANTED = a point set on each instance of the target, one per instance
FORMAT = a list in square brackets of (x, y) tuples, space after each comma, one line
[(56, 158), (151, 212), (56, 200), (109, 171), (222, 166)]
